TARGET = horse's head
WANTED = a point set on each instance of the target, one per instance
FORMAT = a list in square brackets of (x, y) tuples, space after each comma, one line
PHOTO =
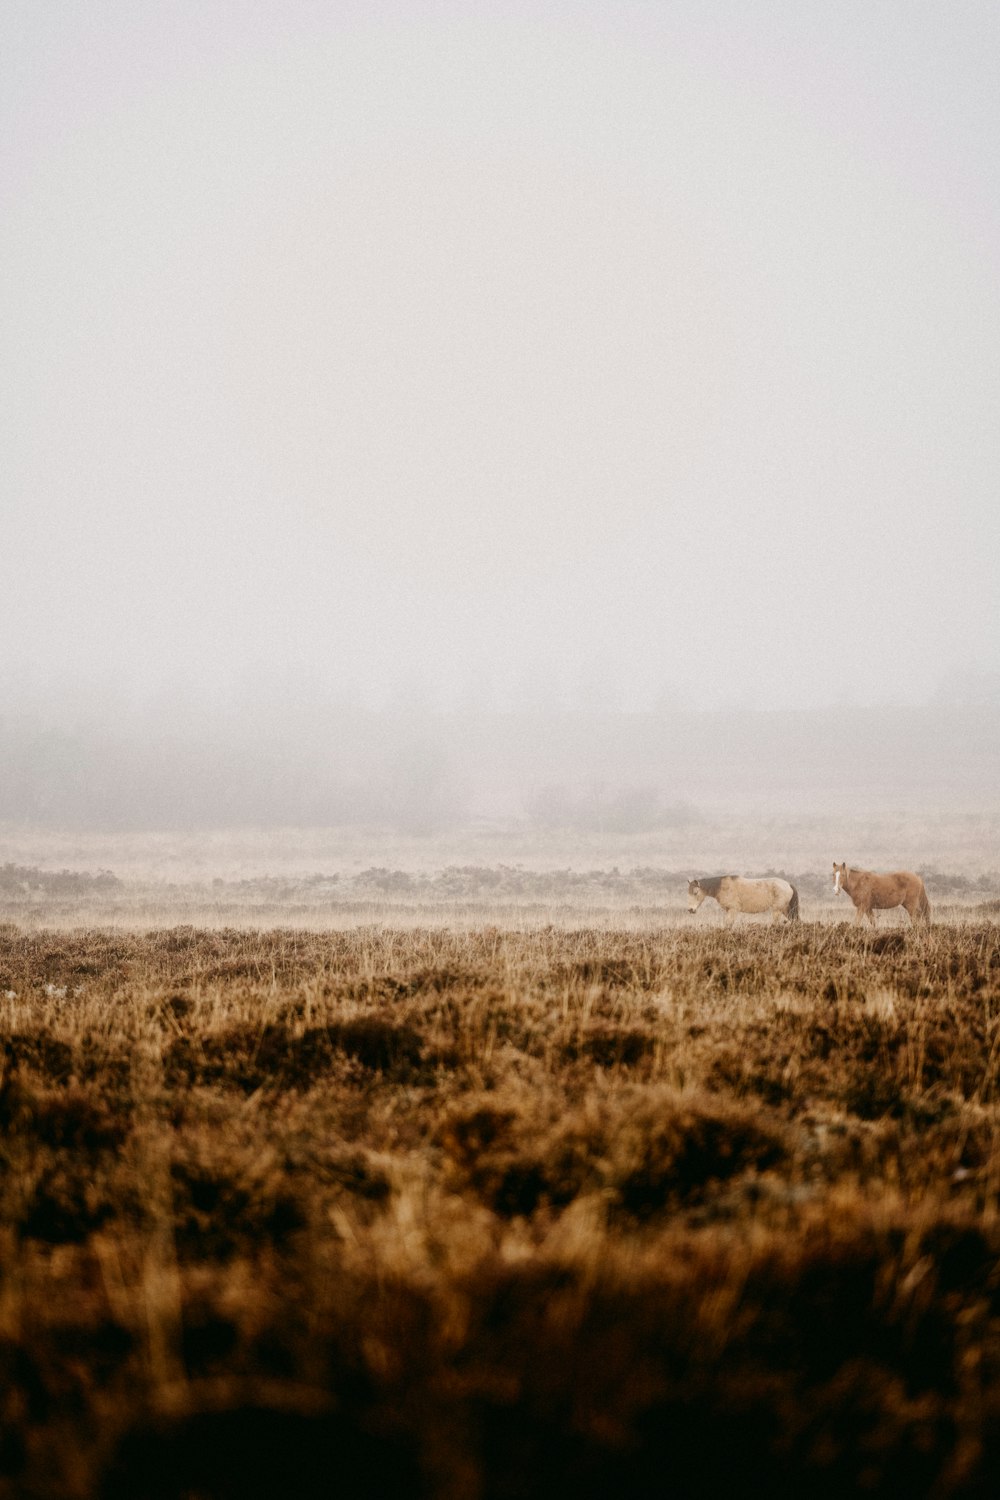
[(839, 876), (695, 895)]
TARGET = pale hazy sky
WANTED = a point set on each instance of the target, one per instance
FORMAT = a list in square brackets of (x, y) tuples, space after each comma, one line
[(584, 349)]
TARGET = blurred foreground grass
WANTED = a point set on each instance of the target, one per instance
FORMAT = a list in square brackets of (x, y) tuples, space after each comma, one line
[(499, 1213)]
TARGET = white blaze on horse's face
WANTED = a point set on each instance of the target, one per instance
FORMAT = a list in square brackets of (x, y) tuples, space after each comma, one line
[(838, 871), (695, 895)]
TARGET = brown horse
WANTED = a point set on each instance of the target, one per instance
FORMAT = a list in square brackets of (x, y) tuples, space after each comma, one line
[(871, 892)]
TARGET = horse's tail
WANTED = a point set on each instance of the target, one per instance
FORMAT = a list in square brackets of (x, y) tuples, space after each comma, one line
[(923, 905), (792, 909)]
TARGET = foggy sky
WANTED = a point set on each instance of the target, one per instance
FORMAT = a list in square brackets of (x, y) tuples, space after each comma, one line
[(590, 353)]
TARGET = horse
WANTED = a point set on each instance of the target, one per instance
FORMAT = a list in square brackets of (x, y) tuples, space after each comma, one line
[(735, 893), (871, 892)]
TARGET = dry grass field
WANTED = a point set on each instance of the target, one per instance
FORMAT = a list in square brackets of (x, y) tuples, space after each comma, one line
[(484, 1212)]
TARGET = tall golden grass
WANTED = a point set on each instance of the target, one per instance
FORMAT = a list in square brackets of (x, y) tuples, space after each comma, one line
[(498, 1213)]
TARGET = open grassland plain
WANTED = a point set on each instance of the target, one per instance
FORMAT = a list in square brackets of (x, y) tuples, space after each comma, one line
[(457, 896), (484, 1213)]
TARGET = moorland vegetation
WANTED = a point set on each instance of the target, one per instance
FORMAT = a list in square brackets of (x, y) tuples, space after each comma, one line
[(495, 1212)]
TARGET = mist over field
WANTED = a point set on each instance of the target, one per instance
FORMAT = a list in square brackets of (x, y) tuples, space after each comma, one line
[(574, 421), (425, 771), (415, 412)]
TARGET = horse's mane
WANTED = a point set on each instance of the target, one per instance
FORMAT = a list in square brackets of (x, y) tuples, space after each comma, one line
[(710, 883)]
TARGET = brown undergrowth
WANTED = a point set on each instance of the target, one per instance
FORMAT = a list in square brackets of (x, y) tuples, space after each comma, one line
[(499, 1214)]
